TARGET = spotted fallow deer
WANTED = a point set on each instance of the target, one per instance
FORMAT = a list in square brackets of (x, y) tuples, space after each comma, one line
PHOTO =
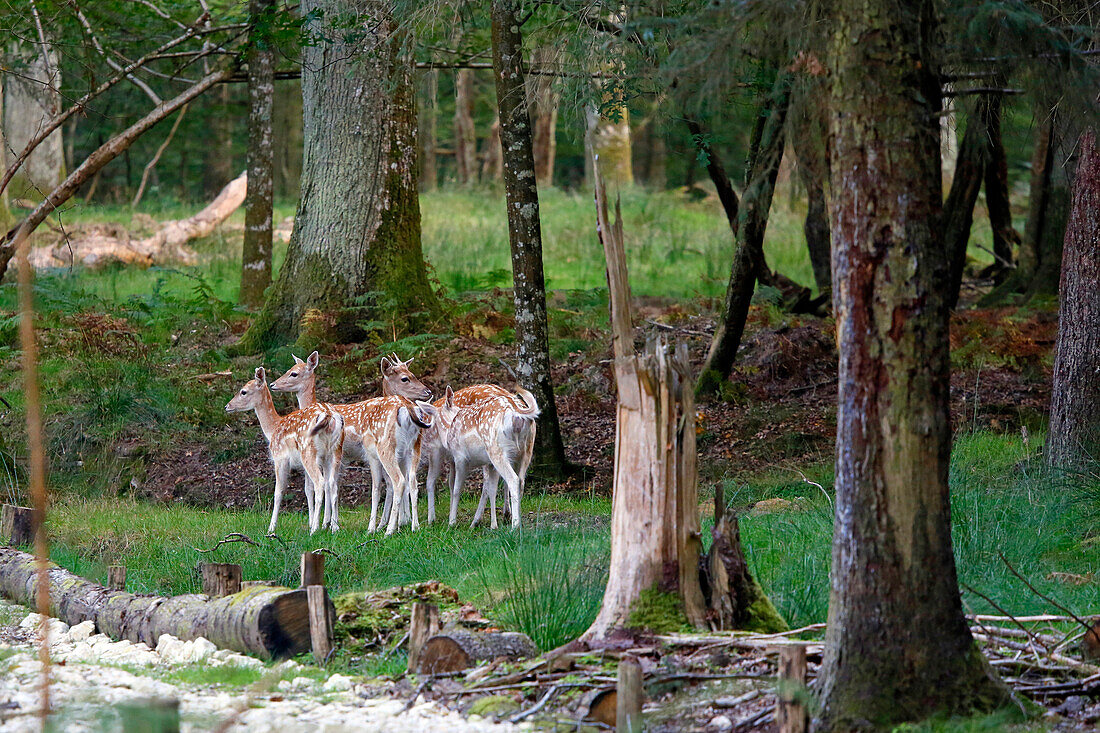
[(383, 432), (310, 439), (493, 433)]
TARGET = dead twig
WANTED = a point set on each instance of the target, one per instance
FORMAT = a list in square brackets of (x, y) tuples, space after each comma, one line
[(759, 719), (412, 700), (229, 539), (681, 329), (536, 707), (1046, 598)]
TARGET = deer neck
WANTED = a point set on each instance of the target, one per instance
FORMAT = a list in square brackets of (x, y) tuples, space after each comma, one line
[(305, 393), (265, 412)]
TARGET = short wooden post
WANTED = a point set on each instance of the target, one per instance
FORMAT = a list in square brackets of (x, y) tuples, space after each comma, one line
[(628, 697), (423, 625), (320, 622), (116, 577), (152, 715), (790, 715), (221, 579), (17, 525), (313, 569)]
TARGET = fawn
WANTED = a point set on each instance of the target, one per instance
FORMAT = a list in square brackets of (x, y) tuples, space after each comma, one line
[(384, 432), (494, 433), (310, 439)]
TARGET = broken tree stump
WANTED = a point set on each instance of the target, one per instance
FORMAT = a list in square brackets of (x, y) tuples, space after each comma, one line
[(272, 623), (220, 579), (116, 577), (457, 650), (423, 625), (17, 525), (790, 715), (320, 622), (313, 569), (628, 697)]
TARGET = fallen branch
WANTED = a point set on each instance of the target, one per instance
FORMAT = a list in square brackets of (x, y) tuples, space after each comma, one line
[(229, 539), (537, 707), (1046, 598)]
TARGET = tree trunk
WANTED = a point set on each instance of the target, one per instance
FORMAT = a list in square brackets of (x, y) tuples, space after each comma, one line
[(748, 258), (32, 98), (717, 172), (609, 139), (465, 134), (455, 650), (1042, 160), (256, 252), (958, 210), (265, 621), (357, 230), (287, 134), (525, 235), (103, 155), (544, 116), (997, 202), (1074, 434), (649, 148), (492, 163), (898, 647), (429, 111), (816, 229)]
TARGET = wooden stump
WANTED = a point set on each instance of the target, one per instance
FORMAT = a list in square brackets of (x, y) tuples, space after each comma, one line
[(628, 697), (17, 525), (423, 625), (268, 622), (320, 622), (313, 569), (220, 579), (116, 577), (790, 715), (456, 650)]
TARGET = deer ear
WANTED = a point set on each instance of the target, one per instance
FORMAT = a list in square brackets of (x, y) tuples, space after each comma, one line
[(387, 365), (312, 360), (261, 374), (450, 396), (297, 360)]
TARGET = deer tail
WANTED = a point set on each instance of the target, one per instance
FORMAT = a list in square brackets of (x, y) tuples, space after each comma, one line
[(528, 407)]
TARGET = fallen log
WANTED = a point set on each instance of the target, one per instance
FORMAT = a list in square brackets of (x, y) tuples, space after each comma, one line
[(269, 622), (455, 650)]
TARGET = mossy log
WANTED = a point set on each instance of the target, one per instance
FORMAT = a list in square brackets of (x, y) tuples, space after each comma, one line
[(456, 650), (266, 621)]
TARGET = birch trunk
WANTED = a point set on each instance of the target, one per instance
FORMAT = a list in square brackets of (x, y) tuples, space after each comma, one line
[(898, 647), (256, 253), (525, 235)]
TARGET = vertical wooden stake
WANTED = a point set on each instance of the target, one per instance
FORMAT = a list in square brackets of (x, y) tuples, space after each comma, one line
[(628, 697), (320, 622), (423, 625), (790, 715), (116, 577), (17, 525), (313, 569), (221, 579)]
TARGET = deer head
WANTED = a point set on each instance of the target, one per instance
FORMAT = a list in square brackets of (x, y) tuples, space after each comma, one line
[(449, 409), (299, 376), (398, 381), (251, 394)]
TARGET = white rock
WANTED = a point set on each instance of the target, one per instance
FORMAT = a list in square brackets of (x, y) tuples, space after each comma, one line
[(82, 631), (337, 683), (720, 722), (201, 649)]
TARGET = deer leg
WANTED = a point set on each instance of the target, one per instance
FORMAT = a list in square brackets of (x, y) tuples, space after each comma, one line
[(456, 486), (310, 491), (316, 478), (397, 482), (504, 467), (408, 468), (375, 481), (488, 491), (282, 472), (435, 467), (333, 493)]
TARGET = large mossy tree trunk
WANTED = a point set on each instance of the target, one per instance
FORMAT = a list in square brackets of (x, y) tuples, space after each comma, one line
[(256, 252), (898, 647), (1074, 434), (357, 230), (525, 235), (752, 222)]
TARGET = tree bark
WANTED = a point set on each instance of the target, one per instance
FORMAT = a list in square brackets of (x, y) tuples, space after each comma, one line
[(525, 235), (1074, 433), (898, 647), (748, 258), (717, 172), (258, 204), (103, 155), (429, 112), (32, 99), (958, 210), (1042, 160), (456, 650), (816, 230), (287, 135), (357, 230), (544, 116), (609, 137), (1005, 238), (465, 134), (269, 622)]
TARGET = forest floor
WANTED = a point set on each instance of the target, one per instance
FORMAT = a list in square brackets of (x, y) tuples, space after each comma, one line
[(148, 471)]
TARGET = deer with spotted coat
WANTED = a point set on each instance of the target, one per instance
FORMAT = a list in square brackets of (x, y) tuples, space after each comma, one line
[(384, 432), (496, 434), (310, 439)]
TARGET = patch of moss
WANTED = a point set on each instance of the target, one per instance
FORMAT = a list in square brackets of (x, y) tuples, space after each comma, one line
[(761, 614), (496, 706), (658, 611), (379, 618)]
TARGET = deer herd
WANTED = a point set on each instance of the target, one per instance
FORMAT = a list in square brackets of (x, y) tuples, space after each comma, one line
[(482, 426)]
